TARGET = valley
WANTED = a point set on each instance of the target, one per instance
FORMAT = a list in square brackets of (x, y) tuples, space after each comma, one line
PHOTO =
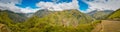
[(59, 21)]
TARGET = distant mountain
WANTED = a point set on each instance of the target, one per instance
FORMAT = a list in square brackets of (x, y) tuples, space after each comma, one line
[(28, 14), (115, 15), (4, 18), (66, 18), (16, 17), (99, 15), (42, 12)]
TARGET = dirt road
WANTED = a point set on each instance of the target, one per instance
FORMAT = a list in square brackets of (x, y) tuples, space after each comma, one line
[(107, 26)]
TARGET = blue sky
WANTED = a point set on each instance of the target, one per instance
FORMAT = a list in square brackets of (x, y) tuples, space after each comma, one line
[(32, 3), (85, 6)]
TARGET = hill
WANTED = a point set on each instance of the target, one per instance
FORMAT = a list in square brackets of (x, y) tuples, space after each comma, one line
[(58, 21), (49, 21), (115, 15), (66, 15), (16, 17), (100, 15)]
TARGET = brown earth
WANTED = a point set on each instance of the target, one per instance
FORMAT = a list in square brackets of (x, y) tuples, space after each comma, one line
[(3, 28), (107, 26)]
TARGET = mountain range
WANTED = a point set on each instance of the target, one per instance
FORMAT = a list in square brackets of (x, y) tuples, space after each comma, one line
[(55, 21), (100, 15), (16, 17)]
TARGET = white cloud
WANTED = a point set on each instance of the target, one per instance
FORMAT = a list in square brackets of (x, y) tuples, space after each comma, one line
[(103, 4), (29, 10), (10, 5), (59, 6), (10, 1)]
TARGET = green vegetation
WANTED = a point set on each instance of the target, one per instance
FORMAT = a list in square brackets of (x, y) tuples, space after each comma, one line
[(4, 18), (16, 17), (100, 15), (62, 21), (115, 15), (35, 24)]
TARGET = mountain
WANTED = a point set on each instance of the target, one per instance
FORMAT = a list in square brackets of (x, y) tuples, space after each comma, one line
[(16, 17), (115, 15), (71, 17), (4, 18), (28, 14), (47, 21), (100, 15), (42, 12)]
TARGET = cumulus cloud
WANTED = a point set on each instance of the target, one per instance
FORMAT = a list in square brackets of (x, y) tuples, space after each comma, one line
[(59, 6), (29, 10), (10, 1), (10, 5), (103, 5)]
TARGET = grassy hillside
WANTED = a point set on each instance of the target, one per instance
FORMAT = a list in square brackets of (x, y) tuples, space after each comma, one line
[(16, 17), (57, 21), (47, 24), (100, 15), (115, 15), (66, 15), (60, 21), (4, 18)]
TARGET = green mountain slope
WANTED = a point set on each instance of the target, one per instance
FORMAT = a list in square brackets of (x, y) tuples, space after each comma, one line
[(16, 17), (42, 13), (49, 21), (115, 15), (66, 17), (58, 21), (100, 15), (4, 18)]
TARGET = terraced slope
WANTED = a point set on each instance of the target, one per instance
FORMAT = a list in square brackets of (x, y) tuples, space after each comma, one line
[(110, 26), (107, 26)]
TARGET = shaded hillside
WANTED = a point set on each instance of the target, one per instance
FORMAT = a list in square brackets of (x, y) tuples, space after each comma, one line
[(100, 15), (4, 18), (115, 15), (16, 17)]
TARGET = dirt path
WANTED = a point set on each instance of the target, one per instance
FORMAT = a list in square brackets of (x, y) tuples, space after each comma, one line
[(97, 28), (108, 26)]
